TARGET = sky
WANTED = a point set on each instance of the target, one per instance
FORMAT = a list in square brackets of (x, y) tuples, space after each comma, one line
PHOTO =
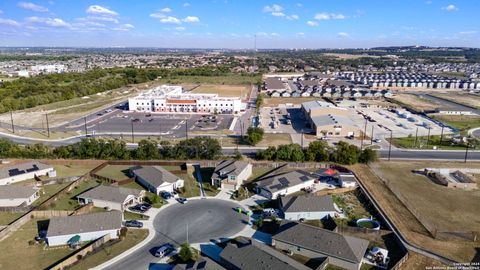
[(235, 23)]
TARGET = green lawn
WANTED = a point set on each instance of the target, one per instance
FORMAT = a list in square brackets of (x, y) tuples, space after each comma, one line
[(68, 201), (257, 172), (351, 205), (421, 143), (19, 255), (116, 172), (8, 217), (73, 169), (134, 236), (191, 188), (133, 185), (206, 173), (129, 215), (155, 200), (48, 191)]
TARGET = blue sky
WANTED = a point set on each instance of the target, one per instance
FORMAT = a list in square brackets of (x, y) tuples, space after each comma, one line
[(233, 23)]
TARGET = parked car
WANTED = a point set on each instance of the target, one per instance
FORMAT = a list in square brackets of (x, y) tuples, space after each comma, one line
[(269, 212), (166, 195), (164, 250), (145, 206), (182, 200), (243, 211), (377, 140), (136, 120), (133, 223)]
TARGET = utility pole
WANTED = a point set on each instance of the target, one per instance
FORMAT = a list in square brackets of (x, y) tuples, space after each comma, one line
[(466, 153), (302, 138), (428, 136), (133, 135), (48, 127), (86, 131), (187, 232), (364, 134), (11, 118), (416, 137), (241, 130), (186, 129), (441, 135), (390, 145), (371, 139)]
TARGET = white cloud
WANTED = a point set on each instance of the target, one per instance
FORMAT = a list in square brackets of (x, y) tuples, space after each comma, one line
[(191, 19), (299, 4), (273, 8), (170, 20), (293, 17), (130, 26), (8, 22), (32, 7), (186, 4), (99, 10), (470, 32), (54, 22), (166, 10), (102, 19), (329, 16), (180, 28), (428, 2), (124, 27), (300, 34), (343, 34), (450, 8), (274, 34), (312, 23), (278, 14), (158, 15)]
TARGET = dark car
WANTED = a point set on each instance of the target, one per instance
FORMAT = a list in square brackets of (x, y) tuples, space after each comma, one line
[(166, 195), (144, 207), (182, 200), (133, 223)]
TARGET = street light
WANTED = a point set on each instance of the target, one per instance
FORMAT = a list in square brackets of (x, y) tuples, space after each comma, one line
[(390, 145)]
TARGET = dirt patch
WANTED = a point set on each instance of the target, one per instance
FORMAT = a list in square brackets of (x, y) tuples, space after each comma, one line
[(416, 103)]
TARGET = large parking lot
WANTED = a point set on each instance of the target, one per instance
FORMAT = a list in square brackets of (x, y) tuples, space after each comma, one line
[(159, 124), (283, 119), (401, 122)]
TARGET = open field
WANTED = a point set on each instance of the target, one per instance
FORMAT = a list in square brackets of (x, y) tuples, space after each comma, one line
[(223, 90), (16, 249), (73, 169), (434, 202), (116, 172), (8, 217), (273, 102), (225, 79), (462, 98), (421, 143), (460, 122), (415, 103), (134, 236)]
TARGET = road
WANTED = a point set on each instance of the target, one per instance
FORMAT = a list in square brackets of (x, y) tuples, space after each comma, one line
[(207, 219)]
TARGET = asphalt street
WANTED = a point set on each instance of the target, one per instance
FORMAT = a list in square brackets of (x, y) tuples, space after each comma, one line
[(207, 219)]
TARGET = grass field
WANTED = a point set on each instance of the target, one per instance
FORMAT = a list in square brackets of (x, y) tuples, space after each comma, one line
[(460, 122), (230, 79), (73, 169), (8, 217), (19, 255), (134, 236), (223, 90), (48, 191), (68, 201), (446, 208), (269, 139), (421, 143), (415, 103), (116, 172), (462, 98)]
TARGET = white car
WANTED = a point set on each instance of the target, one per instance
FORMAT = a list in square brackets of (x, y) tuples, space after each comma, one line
[(377, 140), (270, 212)]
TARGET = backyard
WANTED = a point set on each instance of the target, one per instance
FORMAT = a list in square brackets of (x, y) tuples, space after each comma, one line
[(421, 192), (115, 172)]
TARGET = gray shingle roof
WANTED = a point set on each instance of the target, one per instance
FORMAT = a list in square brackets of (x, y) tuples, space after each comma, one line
[(274, 83), (230, 166), (323, 241), (110, 194), (16, 191), (307, 203), (22, 168), (203, 263), (281, 181), (155, 175), (84, 223), (257, 256)]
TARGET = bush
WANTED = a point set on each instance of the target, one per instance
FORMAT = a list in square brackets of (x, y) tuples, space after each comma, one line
[(123, 232), (255, 135), (185, 254)]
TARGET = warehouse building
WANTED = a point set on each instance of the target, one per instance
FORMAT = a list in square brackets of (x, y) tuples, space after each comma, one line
[(172, 99)]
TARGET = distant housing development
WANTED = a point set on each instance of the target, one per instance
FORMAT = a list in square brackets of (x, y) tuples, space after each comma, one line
[(23, 171), (167, 98)]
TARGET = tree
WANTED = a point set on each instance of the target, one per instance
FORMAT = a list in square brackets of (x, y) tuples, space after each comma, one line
[(237, 155), (185, 254), (317, 151), (367, 156), (147, 150), (259, 102), (255, 135), (345, 153)]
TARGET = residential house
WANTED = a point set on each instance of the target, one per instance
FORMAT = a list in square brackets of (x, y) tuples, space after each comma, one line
[(17, 195), (87, 227), (24, 171), (156, 179), (308, 207), (316, 243), (204, 263), (252, 255), (271, 187), (230, 174), (110, 197)]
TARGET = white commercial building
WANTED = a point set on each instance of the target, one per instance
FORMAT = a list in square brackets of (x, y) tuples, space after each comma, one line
[(85, 227), (168, 98), (23, 171)]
